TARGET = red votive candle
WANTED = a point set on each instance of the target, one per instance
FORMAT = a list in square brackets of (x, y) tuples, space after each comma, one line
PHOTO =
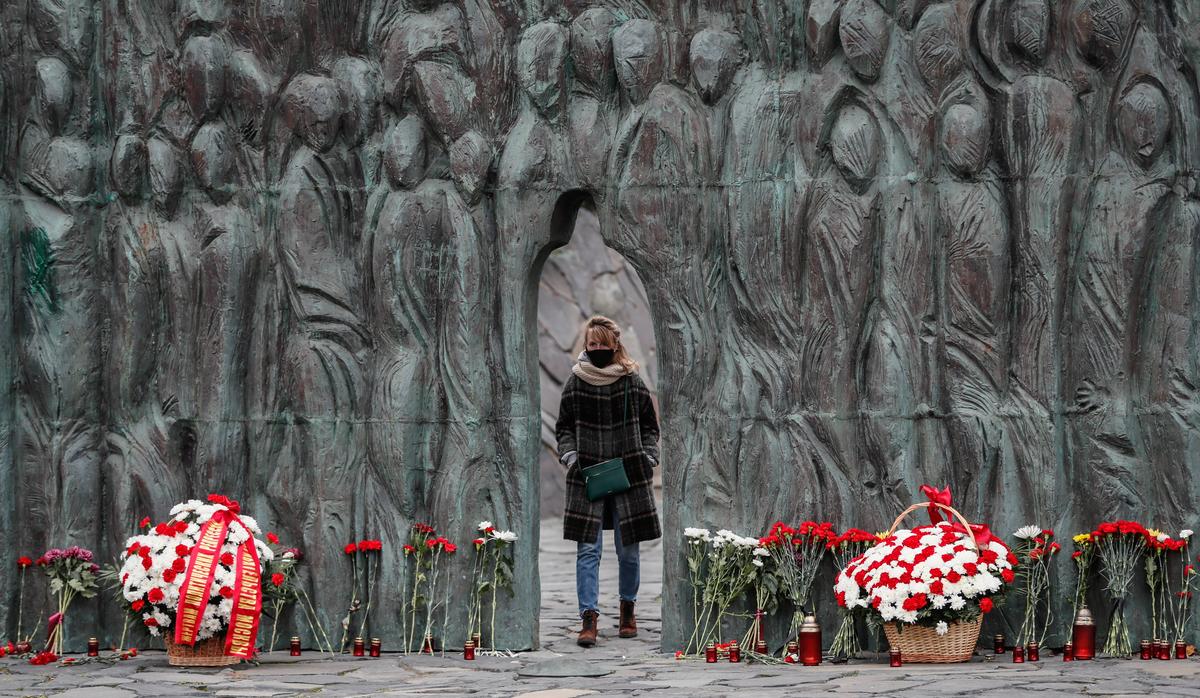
[(1068, 652), (998, 644), (1032, 652), (1145, 647), (710, 653), (294, 647), (376, 647), (735, 652), (1018, 654), (358, 647), (1180, 649), (469, 650), (810, 641), (1083, 635), (894, 657), (1164, 649)]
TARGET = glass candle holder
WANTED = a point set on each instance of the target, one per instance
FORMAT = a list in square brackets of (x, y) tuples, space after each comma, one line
[(735, 652), (469, 650), (294, 647), (427, 645), (93, 647), (1018, 654), (998, 644), (1180, 649), (894, 658), (358, 647), (1164, 649), (1083, 635), (1146, 652), (1031, 652), (810, 641), (1068, 652), (376, 647), (710, 653)]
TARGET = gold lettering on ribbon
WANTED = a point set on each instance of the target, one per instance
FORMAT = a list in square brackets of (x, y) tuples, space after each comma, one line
[(198, 580), (243, 627)]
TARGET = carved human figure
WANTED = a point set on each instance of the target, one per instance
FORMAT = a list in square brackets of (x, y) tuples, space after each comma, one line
[(1128, 202), (57, 318), (972, 223), (592, 109), (140, 472), (323, 337), (842, 221)]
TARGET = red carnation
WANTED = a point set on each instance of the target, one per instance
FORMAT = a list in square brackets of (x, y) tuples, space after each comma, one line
[(478, 541), (350, 548), (953, 577), (164, 530), (450, 547), (272, 538), (179, 565), (985, 605), (169, 575), (155, 595), (987, 557), (227, 592), (145, 522), (841, 599), (915, 602), (947, 557), (936, 586), (1012, 559), (970, 569), (24, 562), (277, 579), (146, 562), (1008, 576), (1077, 554), (409, 549), (137, 605), (180, 526), (150, 622), (227, 559), (182, 550), (1054, 548)]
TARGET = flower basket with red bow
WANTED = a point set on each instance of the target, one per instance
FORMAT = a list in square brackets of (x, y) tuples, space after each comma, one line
[(929, 585), (196, 580)]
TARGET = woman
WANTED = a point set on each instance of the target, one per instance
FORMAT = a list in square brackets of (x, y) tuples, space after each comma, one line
[(606, 413)]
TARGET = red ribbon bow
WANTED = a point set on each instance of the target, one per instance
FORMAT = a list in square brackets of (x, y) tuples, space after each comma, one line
[(983, 534), (230, 504), (936, 497)]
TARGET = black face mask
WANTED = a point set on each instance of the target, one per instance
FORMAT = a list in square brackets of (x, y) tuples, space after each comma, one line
[(600, 357)]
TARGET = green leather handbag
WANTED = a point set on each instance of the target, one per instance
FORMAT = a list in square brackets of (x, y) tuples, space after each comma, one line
[(607, 477)]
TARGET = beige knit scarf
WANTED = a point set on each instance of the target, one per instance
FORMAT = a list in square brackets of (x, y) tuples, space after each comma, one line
[(588, 372)]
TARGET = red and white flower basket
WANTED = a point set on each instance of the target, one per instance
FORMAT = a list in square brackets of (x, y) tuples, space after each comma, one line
[(929, 585), (196, 580)]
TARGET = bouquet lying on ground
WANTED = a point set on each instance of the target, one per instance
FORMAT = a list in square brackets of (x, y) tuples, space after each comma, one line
[(197, 574), (931, 576)]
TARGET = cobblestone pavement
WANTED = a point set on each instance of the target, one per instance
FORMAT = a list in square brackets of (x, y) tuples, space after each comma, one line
[(636, 666)]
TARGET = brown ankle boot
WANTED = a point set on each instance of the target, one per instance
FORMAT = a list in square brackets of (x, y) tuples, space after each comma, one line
[(628, 621), (587, 636)]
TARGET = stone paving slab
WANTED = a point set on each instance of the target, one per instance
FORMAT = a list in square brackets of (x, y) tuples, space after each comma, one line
[(636, 666)]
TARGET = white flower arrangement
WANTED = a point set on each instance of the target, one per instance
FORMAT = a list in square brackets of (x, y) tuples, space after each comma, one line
[(1027, 532), (926, 575), (154, 566)]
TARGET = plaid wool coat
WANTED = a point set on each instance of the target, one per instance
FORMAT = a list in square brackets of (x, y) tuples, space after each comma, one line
[(592, 422)]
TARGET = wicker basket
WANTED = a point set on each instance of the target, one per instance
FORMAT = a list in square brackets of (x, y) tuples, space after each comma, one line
[(922, 644), (210, 652), (918, 643)]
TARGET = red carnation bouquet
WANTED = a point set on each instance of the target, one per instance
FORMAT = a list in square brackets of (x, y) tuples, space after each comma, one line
[(1119, 545)]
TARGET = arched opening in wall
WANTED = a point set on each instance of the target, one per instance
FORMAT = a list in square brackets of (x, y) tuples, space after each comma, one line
[(582, 277)]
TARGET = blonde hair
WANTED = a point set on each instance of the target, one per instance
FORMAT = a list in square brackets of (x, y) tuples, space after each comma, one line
[(608, 332)]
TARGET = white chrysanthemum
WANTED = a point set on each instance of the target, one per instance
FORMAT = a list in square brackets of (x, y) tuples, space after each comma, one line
[(701, 533), (937, 601), (762, 552), (506, 536), (1185, 533), (484, 525), (957, 602), (942, 628), (757, 562), (1027, 532)]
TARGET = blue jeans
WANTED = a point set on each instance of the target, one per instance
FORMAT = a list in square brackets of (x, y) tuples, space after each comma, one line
[(587, 569)]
